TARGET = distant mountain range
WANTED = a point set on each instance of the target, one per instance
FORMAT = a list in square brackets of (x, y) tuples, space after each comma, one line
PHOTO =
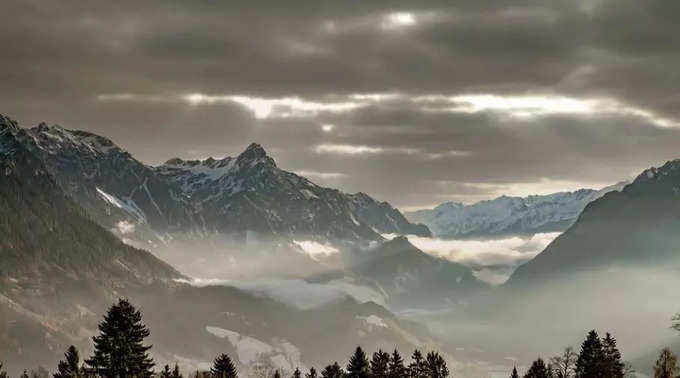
[(508, 216), (59, 269)]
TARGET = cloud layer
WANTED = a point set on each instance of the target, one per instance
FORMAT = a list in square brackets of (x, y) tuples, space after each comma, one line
[(415, 103)]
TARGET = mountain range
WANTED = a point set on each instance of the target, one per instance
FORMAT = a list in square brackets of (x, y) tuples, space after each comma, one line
[(508, 216), (61, 264)]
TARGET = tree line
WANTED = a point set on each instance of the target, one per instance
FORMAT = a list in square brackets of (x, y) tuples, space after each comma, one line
[(120, 352)]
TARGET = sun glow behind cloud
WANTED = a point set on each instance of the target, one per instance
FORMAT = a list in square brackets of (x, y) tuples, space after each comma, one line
[(523, 106)]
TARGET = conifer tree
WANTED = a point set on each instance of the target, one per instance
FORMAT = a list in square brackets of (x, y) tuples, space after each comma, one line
[(312, 373), (3, 374), (436, 366), (332, 371), (70, 366), (667, 364), (175, 372), (358, 366), (396, 368), (297, 373), (613, 366), (590, 362), (165, 373), (119, 349), (416, 369), (277, 374), (379, 364), (538, 369), (223, 367), (24, 374), (514, 372)]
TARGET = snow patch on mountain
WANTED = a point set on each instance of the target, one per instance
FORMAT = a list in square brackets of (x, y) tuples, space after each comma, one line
[(282, 354), (315, 249)]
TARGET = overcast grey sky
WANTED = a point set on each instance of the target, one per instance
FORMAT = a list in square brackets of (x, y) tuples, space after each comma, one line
[(414, 102)]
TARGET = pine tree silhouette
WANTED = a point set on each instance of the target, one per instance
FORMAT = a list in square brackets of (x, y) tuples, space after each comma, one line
[(3, 374), (417, 369), (514, 372), (614, 367), (223, 367), (175, 372), (166, 373), (119, 349), (277, 374), (70, 366), (379, 364), (538, 369), (332, 371), (297, 373), (358, 366), (396, 368), (436, 366), (590, 362), (312, 373)]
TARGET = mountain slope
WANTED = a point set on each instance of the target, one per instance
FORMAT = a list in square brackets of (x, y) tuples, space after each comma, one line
[(117, 191), (505, 215), (639, 225), (414, 279)]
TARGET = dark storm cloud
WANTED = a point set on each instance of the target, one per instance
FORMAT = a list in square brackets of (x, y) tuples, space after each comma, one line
[(58, 58)]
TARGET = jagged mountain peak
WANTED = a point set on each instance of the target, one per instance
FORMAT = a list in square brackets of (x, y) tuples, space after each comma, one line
[(255, 154), (670, 168), (7, 123)]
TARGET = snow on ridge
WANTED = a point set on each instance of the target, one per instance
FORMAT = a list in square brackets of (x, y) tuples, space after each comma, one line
[(128, 206)]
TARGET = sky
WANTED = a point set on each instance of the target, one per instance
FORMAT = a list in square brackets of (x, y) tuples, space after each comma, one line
[(413, 102)]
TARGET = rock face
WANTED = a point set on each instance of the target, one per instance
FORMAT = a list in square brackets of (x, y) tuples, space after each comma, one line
[(638, 225), (505, 216)]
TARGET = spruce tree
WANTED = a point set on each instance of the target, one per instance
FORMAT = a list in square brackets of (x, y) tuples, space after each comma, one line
[(24, 374), (166, 373), (358, 366), (70, 366), (667, 364), (277, 374), (538, 369), (332, 371), (514, 372), (312, 373), (297, 373), (396, 368), (379, 364), (223, 367), (613, 366), (175, 372), (416, 369), (119, 350), (436, 366), (3, 374), (590, 362)]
